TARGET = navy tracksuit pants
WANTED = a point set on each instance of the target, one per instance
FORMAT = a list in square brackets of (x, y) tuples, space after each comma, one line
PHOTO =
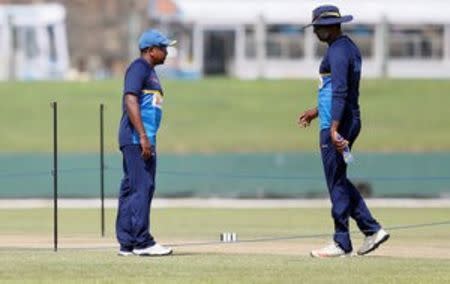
[(135, 197), (345, 198)]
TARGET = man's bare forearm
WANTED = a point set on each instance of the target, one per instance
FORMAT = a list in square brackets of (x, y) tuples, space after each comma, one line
[(334, 125)]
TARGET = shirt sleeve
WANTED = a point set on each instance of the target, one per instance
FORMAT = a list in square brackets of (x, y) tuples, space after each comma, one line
[(135, 79), (339, 65)]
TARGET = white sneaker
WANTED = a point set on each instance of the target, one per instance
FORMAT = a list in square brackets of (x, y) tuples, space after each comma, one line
[(125, 253), (154, 250), (372, 242), (332, 250)]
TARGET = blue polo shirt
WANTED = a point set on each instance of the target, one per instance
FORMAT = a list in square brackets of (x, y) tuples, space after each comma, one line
[(340, 73), (141, 81)]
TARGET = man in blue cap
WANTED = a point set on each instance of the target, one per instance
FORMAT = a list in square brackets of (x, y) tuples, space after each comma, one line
[(142, 111), (338, 111)]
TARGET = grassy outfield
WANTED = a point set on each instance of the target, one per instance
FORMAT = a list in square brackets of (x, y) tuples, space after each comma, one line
[(415, 255), (101, 267), (225, 115)]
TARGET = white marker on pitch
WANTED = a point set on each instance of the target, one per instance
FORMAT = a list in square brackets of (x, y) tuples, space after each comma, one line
[(228, 237)]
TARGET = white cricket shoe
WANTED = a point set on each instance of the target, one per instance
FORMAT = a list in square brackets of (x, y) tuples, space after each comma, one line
[(125, 253), (154, 250), (332, 250), (372, 242)]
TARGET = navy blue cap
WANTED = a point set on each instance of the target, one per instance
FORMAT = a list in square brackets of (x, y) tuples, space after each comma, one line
[(327, 15), (153, 37)]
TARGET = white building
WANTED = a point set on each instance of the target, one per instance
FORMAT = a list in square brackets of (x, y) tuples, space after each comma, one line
[(265, 39), (33, 42)]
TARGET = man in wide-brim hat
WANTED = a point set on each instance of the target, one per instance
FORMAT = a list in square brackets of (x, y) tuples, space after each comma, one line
[(340, 123)]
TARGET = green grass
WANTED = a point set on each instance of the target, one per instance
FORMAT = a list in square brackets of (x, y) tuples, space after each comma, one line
[(101, 265), (207, 223), (225, 115)]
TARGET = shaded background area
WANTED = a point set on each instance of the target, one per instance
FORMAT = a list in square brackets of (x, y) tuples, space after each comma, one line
[(278, 175), (226, 138), (247, 39), (222, 135), (98, 33)]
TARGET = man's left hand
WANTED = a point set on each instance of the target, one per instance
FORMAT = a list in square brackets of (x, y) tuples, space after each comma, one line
[(339, 142)]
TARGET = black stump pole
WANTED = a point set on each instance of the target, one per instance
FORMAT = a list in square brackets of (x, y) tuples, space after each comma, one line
[(102, 172), (55, 176)]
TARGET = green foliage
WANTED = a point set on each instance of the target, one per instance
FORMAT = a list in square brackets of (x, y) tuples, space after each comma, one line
[(225, 115)]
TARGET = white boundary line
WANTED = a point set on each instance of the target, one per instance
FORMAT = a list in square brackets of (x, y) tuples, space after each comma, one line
[(223, 203)]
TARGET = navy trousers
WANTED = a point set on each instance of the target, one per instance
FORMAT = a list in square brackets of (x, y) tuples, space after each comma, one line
[(135, 197), (345, 199)]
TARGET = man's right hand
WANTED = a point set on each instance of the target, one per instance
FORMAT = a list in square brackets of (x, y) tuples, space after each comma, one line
[(306, 117), (146, 147)]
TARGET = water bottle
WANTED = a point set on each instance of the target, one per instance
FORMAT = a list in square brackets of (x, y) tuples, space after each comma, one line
[(348, 157)]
